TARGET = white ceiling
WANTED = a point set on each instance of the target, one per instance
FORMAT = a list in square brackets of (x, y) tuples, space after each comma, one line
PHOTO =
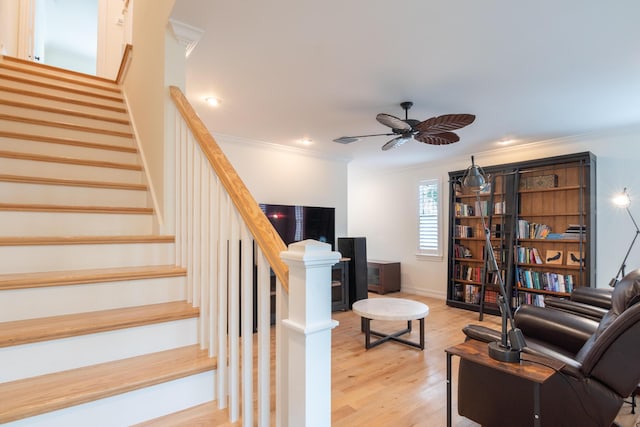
[(529, 71)]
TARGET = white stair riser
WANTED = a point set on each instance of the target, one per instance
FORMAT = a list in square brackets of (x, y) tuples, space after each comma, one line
[(68, 151), (63, 84), (16, 192), (37, 100), (73, 224), (57, 132), (64, 118), (33, 259), (21, 304), (133, 407), (68, 353), (57, 170)]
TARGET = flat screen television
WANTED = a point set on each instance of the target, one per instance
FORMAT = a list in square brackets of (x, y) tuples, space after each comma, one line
[(295, 223)]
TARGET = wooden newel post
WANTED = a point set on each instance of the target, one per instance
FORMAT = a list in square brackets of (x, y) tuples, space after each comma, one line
[(309, 326)]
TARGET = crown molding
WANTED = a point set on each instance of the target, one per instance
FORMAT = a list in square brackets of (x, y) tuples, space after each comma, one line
[(187, 35)]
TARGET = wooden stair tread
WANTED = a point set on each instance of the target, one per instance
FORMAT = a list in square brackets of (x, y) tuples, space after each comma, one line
[(89, 92), (19, 332), (68, 160), (65, 111), (66, 71), (206, 414), (84, 240), (72, 182), (77, 277), (64, 125), (39, 65), (67, 141), (32, 207), (38, 395), (112, 87), (62, 99)]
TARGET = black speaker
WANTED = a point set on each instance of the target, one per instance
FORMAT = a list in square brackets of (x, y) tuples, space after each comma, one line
[(356, 249)]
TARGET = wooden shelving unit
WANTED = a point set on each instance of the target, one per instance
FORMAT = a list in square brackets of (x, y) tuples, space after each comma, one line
[(557, 192)]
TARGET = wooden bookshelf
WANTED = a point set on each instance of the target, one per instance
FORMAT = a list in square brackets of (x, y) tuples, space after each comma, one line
[(547, 204)]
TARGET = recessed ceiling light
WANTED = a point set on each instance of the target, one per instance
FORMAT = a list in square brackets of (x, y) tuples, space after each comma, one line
[(306, 141), (506, 141), (213, 101)]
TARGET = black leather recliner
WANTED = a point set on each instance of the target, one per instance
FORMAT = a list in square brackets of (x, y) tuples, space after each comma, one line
[(589, 302), (601, 366)]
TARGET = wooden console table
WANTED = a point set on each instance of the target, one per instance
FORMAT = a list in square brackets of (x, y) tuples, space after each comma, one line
[(477, 351)]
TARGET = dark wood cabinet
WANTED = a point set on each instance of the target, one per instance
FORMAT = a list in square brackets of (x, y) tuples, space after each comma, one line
[(383, 276), (340, 285)]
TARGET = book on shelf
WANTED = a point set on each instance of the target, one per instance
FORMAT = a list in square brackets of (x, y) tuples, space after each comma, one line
[(576, 229), (463, 209), (482, 207), (490, 297), (472, 294), (566, 236), (532, 230), (463, 231), (461, 251), (465, 272), (546, 281), (526, 255), (532, 299)]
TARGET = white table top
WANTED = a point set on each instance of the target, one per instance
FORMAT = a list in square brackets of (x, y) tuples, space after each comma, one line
[(390, 309)]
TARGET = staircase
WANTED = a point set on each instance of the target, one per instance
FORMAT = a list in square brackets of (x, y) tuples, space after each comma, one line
[(95, 328)]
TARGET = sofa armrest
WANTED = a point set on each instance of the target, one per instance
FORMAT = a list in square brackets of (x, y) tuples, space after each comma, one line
[(599, 297), (557, 328), (586, 310), (481, 333)]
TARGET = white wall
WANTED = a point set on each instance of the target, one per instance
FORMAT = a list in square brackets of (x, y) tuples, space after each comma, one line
[(145, 89), (383, 207), (278, 175), (9, 27)]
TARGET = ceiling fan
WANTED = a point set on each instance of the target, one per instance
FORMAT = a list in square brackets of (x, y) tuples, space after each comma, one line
[(434, 131)]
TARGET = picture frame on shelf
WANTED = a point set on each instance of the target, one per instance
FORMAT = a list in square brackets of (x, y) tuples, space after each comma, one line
[(575, 258), (553, 256)]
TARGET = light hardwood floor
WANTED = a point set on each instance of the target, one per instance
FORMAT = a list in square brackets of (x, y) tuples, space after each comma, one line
[(392, 384)]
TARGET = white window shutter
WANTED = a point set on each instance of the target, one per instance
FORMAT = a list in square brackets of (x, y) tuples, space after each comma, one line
[(429, 242)]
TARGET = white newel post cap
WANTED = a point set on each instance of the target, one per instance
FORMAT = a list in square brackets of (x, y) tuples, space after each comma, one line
[(310, 264)]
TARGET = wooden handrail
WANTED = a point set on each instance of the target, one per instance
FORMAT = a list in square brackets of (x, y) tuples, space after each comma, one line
[(126, 57), (263, 232)]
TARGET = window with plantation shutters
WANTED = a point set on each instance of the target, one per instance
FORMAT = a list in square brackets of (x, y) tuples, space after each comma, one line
[(429, 241)]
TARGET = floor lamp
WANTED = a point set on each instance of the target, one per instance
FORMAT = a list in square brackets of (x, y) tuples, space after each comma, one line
[(512, 340), (624, 201)]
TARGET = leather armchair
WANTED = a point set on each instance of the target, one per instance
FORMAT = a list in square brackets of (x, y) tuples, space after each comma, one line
[(589, 302), (600, 366)]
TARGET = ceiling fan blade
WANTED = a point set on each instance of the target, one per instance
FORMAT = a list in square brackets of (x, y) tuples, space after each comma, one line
[(426, 138), (393, 122), (445, 123), (434, 139), (350, 139), (396, 142)]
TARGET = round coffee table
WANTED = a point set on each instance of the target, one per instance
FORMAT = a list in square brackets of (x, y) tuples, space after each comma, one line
[(390, 309)]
